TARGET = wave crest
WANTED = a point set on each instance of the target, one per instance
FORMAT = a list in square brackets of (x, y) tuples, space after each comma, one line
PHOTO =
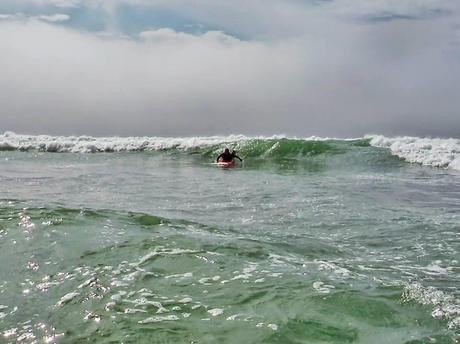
[(89, 144), (251, 146), (425, 151), (433, 152)]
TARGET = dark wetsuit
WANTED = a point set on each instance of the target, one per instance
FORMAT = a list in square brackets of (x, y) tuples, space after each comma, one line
[(227, 157)]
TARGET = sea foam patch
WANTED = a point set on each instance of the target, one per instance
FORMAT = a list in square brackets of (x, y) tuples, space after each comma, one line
[(445, 306), (426, 151)]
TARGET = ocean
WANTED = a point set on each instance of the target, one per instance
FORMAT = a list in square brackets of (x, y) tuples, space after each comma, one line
[(309, 240)]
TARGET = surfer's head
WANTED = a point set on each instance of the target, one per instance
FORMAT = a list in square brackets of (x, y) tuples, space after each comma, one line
[(227, 150)]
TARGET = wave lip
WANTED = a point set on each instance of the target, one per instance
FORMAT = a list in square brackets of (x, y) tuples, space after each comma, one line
[(89, 144), (434, 152)]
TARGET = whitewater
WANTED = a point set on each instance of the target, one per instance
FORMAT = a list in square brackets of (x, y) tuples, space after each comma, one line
[(426, 151), (309, 240)]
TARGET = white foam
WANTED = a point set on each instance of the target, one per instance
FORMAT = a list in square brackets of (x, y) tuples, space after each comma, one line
[(160, 251), (185, 300), (322, 288), (67, 298), (143, 302), (242, 276), (425, 151), (207, 280), (435, 269), (445, 306), (89, 144), (181, 276), (216, 311), (274, 327), (233, 317), (156, 319), (134, 310)]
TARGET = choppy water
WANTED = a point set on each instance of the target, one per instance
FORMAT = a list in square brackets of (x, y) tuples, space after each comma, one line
[(310, 241)]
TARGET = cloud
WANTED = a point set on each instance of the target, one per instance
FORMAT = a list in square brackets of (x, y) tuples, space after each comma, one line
[(7, 16), (57, 3), (170, 36), (79, 82), (14, 17), (54, 18), (324, 76)]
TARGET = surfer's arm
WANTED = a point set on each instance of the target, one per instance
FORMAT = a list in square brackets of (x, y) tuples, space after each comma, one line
[(236, 156), (217, 160)]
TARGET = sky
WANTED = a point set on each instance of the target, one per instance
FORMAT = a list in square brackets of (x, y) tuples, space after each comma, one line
[(341, 68)]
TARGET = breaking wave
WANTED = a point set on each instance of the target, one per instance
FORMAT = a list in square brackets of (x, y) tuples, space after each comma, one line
[(433, 152), (425, 151), (251, 146), (89, 144)]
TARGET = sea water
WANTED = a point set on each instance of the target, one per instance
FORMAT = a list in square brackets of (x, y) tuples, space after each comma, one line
[(145, 240)]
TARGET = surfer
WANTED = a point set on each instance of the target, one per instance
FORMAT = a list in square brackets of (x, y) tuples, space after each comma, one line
[(226, 156)]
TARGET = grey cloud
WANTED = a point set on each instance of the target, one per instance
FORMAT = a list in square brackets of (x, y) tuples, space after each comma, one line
[(393, 16), (332, 78), (386, 17)]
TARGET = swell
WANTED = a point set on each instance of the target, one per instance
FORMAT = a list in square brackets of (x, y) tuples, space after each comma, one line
[(287, 148), (13, 211)]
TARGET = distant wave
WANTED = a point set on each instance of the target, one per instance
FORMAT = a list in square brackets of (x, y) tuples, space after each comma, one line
[(425, 151)]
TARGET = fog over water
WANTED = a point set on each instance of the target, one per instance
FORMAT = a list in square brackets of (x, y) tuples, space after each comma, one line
[(337, 68)]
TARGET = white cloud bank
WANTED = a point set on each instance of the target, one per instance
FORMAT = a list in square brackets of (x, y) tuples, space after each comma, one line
[(57, 3), (338, 80), (55, 18)]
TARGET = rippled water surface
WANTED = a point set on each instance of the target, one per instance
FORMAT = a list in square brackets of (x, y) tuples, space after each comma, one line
[(345, 244)]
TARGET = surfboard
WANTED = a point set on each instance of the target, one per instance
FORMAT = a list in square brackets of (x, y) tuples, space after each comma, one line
[(225, 164)]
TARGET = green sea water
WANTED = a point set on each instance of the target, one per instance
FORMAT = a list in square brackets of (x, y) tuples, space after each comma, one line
[(305, 242)]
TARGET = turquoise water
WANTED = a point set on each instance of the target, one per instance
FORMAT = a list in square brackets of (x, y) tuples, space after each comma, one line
[(307, 242)]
